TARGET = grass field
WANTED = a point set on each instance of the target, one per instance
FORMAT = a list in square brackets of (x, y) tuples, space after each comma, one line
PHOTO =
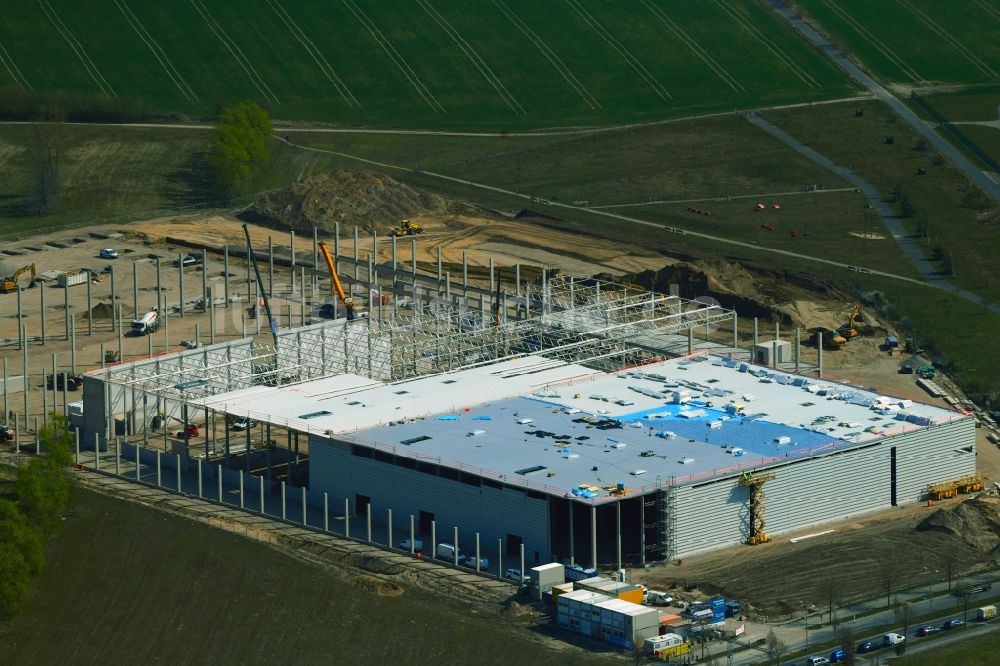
[(444, 63), (125, 584), (916, 43), (978, 651)]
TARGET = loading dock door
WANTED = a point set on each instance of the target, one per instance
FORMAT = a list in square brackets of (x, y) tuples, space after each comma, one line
[(361, 503), (514, 544), (426, 518), (892, 476)]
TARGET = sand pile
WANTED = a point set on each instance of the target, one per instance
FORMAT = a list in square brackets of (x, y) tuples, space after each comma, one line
[(371, 201), (105, 311), (975, 521)]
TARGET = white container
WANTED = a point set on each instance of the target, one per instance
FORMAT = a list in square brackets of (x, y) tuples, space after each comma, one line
[(72, 279)]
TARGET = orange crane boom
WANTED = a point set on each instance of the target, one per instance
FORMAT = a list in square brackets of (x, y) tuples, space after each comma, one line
[(337, 286)]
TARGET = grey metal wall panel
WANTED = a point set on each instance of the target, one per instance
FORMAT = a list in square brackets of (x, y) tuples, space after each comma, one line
[(836, 486), (492, 512)]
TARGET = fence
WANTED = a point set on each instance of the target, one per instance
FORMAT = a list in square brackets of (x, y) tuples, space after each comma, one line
[(958, 134)]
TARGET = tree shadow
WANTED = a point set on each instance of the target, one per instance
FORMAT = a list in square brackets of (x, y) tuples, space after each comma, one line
[(191, 182)]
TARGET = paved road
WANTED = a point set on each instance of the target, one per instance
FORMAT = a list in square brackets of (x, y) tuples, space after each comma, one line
[(881, 206), (841, 60)]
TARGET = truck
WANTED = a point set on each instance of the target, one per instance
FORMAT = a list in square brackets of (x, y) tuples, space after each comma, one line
[(986, 613), (148, 323)]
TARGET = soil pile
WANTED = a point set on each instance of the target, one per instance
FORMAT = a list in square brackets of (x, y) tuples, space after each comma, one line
[(975, 521), (105, 311), (371, 201), (793, 299)]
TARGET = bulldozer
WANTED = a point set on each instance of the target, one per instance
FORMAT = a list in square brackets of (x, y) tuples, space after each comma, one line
[(9, 284), (406, 228)]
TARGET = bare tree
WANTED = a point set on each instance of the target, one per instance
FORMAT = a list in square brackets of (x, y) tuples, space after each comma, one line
[(845, 637), (47, 140), (950, 564), (903, 617), (776, 648), (889, 577), (964, 594), (828, 590)]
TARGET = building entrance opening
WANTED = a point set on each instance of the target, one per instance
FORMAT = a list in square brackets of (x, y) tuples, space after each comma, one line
[(426, 518), (514, 544), (361, 503)]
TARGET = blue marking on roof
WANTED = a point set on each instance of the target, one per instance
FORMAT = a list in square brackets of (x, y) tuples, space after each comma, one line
[(449, 417), (482, 417)]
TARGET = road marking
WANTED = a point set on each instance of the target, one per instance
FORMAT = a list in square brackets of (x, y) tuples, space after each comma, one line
[(158, 51), (695, 47), (755, 32), (78, 49), (236, 52), (948, 37), (873, 40), (549, 54), (15, 73), (633, 62), (473, 56), (315, 53), (395, 56)]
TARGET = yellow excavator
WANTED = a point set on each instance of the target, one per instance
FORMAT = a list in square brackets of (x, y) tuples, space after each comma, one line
[(9, 284), (850, 330), (407, 228), (353, 313)]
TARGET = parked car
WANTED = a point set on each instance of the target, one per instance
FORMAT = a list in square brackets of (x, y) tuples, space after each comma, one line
[(658, 598), (470, 561), (953, 624), (72, 382), (817, 661), (928, 630), (188, 260), (418, 545), (242, 424), (108, 253), (838, 656), (447, 552), (866, 646), (7, 433), (515, 575)]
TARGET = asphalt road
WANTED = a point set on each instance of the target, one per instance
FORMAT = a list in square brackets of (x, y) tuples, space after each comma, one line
[(839, 58)]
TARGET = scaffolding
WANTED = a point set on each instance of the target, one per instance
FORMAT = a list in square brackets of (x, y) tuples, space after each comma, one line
[(666, 523), (754, 482), (970, 483)]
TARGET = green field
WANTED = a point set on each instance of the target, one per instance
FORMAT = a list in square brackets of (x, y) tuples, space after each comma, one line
[(978, 651), (511, 64), (126, 584), (915, 43)]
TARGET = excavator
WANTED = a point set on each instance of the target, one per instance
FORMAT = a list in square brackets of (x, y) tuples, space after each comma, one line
[(9, 284), (407, 228), (353, 313), (850, 330)]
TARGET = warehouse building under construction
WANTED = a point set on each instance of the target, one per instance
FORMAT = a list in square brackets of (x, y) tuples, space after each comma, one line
[(577, 419)]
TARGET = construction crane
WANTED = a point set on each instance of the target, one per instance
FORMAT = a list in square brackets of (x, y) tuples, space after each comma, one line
[(260, 286), (9, 284), (352, 312), (754, 482)]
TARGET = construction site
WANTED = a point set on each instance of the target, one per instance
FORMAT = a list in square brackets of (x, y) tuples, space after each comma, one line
[(427, 384)]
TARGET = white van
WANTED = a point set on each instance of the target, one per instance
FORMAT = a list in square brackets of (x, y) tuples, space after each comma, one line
[(817, 661), (889, 640), (657, 598), (446, 552)]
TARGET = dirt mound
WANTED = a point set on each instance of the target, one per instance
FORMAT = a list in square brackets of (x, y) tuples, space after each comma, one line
[(105, 311), (975, 521), (382, 588), (371, 201)]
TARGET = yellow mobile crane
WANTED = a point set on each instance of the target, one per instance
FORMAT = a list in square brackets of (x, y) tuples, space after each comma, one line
[(9, 284), (352, 312)]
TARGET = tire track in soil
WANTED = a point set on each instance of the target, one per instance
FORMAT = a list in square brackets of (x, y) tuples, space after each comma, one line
[(8, 62), (78, 49), (158, 52)]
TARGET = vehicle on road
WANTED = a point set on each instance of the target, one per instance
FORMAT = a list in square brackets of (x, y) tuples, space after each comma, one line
[(838, 656), (986, 613), (817, 661), (108, 253), (515, 575), (953, 624), (418, 545), (242, 424), (928, 630), (866, 646), (890, 639), (984, 587)]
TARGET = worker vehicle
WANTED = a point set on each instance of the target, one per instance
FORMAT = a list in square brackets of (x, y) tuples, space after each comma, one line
[(190, 431), (986, 613), (353, 313), (890, 639), (148, 323), (242, 424), (9, 284), (418, 545), (657, 598), (406, 228), (72, 382), (926, 372), (516, 576), (108, 253), (7, 433), (112, 356), (928, 630), (191, 259), (953, 624)]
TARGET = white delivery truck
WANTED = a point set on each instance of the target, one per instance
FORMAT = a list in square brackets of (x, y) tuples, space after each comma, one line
[(148, 323), (986, 613)]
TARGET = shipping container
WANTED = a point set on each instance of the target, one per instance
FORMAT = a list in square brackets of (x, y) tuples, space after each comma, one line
[(72, 279)]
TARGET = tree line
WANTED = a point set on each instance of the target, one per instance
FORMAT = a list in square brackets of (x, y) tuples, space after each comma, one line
[(42, 492)]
